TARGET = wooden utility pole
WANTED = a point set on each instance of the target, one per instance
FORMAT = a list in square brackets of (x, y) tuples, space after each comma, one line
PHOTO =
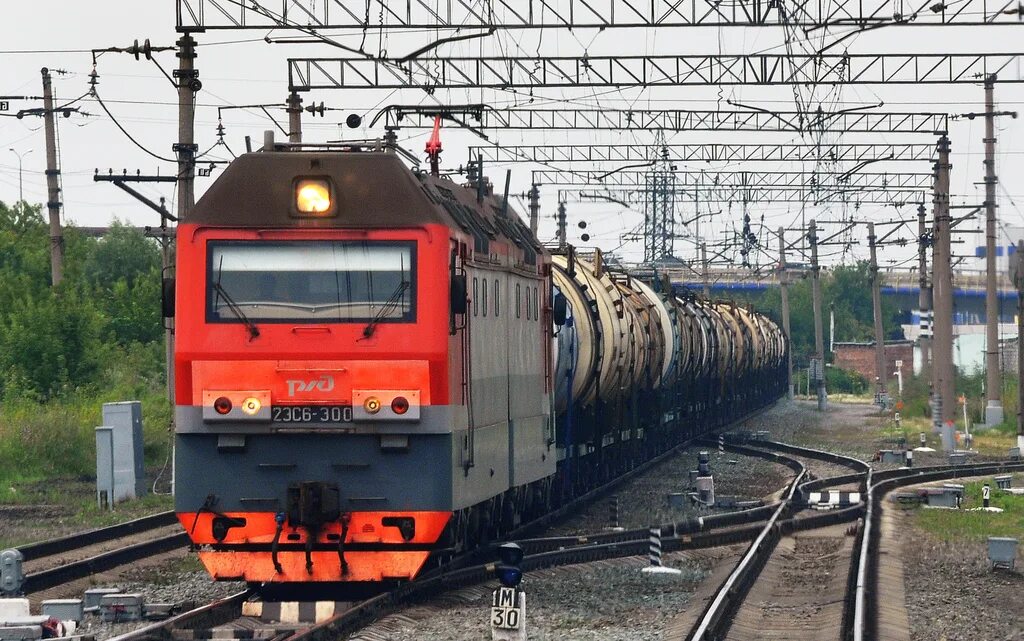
[(876, 303), (819, 333), (784, 293), (924, 300), (53, 202), (705, 280), (942, 290), (294, 110), (993, 381)]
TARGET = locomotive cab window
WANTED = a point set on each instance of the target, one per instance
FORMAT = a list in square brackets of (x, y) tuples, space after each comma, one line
[(311, 281)]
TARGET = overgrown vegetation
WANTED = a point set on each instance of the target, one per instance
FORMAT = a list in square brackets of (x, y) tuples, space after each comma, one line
[(65, 350), (954, 525)]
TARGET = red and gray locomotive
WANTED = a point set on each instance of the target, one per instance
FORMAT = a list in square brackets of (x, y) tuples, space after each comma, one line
[(374, 364)]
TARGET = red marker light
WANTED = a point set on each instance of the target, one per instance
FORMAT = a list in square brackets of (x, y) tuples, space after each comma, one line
[(222, 405), (400, 405)]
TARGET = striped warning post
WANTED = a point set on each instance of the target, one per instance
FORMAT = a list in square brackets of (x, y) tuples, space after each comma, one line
[(926, 323), (655, 568), (654, 546), (721, 444), (613, 515)]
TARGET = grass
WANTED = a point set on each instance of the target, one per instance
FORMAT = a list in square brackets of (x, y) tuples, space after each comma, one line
[(56, 439), (48, 451), (964, 525)]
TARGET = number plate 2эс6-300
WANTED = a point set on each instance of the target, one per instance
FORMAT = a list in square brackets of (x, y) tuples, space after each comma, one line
[(311, 414)]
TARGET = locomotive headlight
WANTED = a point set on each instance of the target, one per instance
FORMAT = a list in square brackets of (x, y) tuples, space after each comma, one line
[(400, 405), (371, 405), (312, 196), (251, 406), (222, 405)]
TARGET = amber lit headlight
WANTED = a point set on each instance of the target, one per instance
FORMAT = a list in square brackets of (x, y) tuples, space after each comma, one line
[(371, 405), (251, 406), (312, 196)]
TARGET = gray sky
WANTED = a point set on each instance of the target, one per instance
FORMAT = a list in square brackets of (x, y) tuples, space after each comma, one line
[(240, 68)]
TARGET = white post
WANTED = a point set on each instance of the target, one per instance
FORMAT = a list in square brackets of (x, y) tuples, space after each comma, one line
[(508, 614)]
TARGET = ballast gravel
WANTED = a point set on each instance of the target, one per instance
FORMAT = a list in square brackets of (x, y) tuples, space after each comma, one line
[(174, 582), (606, 600), (644, 500)]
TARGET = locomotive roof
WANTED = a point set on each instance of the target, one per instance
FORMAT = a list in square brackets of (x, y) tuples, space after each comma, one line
[(371, 190)]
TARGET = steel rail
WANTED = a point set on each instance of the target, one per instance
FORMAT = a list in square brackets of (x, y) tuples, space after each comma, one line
[(40, 549), (675, 528), (864, 620), (52, 577), (221, 609), (726, 597)]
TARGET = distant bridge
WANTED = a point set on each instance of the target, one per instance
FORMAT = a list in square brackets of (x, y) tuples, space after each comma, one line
[(903, 287)]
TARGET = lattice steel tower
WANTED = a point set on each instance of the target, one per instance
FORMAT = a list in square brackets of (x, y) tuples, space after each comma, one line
[(660, 206)]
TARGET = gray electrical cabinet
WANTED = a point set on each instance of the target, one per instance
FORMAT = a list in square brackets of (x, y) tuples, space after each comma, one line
[(105, 467), (124, 421)]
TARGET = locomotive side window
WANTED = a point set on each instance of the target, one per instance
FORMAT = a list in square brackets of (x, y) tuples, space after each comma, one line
[(518, 315), (476, 305), (497, 296), (536, 309), (483, 298), (311, 281)]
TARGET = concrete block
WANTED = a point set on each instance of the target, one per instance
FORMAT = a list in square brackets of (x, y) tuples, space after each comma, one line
[(891, 456), (1002, 552), (706, 490), (939, 497), (121, 607), (13, 609), (21, 633), (1004, 482), (93, 596), (63, 609)]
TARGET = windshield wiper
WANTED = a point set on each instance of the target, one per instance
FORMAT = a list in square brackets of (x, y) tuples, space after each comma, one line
[(233, 306), (386, 308)]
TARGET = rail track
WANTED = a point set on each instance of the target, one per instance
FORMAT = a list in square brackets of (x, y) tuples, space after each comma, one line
[(542, 552), (813, 577), (775, 531), (55, 562)]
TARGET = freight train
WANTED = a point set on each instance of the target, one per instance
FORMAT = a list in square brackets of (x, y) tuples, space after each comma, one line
[(374, 364)]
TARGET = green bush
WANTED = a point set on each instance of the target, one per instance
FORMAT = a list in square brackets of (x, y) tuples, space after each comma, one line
[(64, 351), (845, 381)]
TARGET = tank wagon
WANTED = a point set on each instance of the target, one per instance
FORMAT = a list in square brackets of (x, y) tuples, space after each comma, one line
[(375, 364)]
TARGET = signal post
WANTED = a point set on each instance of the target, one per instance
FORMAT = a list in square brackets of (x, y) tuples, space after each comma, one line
[(508, 601)]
